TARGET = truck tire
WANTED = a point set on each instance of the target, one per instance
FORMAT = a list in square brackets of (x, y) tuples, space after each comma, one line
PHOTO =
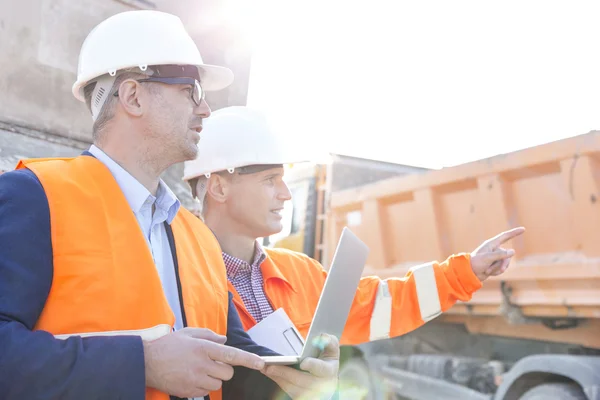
[(554, 391)]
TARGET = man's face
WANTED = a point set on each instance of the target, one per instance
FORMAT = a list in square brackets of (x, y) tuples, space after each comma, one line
[(255, 201), (175, 121)]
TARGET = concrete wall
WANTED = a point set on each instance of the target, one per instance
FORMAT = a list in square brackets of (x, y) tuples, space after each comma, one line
[(39, 47), (38, 62), (16, 145)]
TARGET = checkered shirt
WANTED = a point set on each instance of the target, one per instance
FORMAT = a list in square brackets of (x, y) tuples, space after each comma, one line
[(248, 282)]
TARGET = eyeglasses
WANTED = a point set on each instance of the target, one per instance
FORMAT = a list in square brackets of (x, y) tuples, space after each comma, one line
[(196, 94)]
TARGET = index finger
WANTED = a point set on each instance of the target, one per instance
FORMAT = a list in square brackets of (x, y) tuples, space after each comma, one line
[(232, 356), (506, 236)]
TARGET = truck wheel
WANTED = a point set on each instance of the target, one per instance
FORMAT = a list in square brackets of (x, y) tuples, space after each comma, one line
[(554, 391)]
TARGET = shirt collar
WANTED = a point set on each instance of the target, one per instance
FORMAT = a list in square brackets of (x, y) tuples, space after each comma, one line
[(136, 193), (235, 266), (268, 268)]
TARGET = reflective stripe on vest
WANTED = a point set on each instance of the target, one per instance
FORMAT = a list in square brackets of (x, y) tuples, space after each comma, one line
[(427, 292), (381, 317), (148, 334)]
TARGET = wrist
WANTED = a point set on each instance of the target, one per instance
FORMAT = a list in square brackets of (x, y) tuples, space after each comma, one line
[(461, 265), (148, 363)]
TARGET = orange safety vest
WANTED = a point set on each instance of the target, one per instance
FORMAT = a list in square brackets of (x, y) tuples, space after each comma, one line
[(104, 278), (294, 281)]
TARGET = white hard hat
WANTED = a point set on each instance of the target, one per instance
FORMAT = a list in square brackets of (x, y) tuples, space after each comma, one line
[(140, 39), (240, 136)]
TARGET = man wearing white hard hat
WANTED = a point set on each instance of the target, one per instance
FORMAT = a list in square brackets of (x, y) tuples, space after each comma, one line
[(241, 194), (108, 288)]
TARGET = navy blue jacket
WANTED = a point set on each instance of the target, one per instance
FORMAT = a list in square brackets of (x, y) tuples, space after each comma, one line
[(34, 365)]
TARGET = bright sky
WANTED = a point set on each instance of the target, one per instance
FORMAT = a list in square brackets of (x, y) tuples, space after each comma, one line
[(427, 83)]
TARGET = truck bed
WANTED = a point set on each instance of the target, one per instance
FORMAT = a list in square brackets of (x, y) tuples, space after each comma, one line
[(552, 189)]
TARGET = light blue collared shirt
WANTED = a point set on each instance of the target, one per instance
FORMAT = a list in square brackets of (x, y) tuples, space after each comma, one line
[(166, 206)]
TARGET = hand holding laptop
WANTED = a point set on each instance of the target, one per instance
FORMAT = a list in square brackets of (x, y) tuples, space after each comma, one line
[(317, 377)]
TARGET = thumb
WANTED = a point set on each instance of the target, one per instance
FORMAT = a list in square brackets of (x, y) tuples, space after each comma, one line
[(498, 267), (329, 345), (203, 333)]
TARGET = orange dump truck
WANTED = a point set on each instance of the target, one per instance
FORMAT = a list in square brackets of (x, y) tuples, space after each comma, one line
[(531, 333)]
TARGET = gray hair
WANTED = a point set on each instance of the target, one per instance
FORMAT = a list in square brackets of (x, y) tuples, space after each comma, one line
[(107, 112)]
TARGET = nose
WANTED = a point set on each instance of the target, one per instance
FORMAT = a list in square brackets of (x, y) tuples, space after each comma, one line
[(203, 110), (284, 192)]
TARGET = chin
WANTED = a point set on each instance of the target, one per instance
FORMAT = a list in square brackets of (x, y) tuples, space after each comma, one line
[(275, 229), (190, 153), (269, 230)]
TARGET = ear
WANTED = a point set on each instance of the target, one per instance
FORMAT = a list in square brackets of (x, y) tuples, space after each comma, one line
[(218, 188), (131, 97)]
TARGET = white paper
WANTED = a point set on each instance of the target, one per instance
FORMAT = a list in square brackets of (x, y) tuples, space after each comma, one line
[(278, 333)]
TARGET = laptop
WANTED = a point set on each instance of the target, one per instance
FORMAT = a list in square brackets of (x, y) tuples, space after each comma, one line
[(336, 298)]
